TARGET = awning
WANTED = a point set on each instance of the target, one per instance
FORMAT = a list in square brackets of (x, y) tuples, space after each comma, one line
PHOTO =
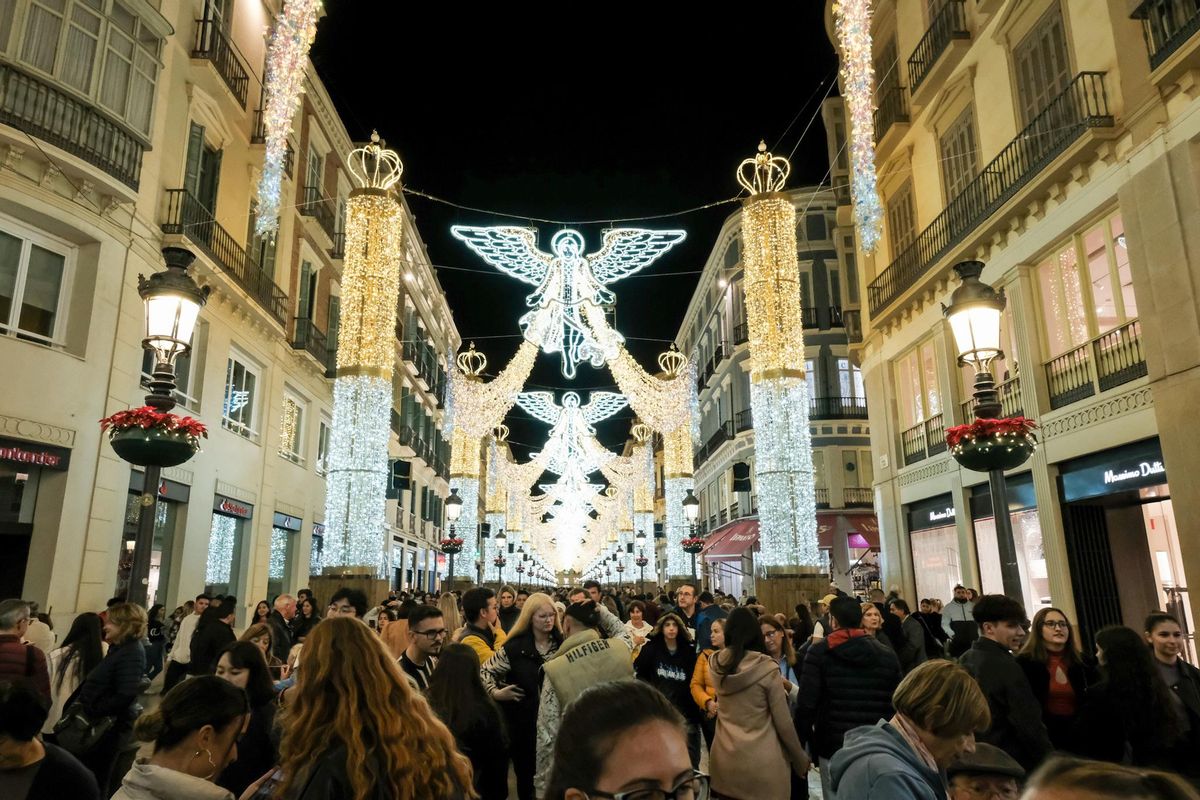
[(862, 530), (732, 540)]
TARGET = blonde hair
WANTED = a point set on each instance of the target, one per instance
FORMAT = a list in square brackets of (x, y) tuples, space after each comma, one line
[(395, 636), (130, 620), (1106, 781), (943, 698), (351, 692), (533, 603), (449, 607)]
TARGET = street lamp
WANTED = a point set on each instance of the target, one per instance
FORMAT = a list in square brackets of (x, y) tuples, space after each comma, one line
[(974, 315), (454, 506), (691, 510), (173, 302)]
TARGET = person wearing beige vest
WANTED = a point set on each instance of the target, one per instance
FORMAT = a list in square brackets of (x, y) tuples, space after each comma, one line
[(584, 659)]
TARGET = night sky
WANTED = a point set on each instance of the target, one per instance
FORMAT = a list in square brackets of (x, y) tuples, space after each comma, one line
[(596, 117)]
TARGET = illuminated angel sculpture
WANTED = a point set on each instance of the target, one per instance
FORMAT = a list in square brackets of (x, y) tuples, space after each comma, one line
[(572, 441), (567, 280)]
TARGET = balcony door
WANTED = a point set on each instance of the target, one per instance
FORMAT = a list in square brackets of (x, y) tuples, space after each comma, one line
[(308, 291), (1042, 65), (202, 173)]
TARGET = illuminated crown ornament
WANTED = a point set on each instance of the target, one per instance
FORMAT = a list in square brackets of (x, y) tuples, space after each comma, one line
[(500, 432), (763, 173), (672, 362), (472, 363), (641, 432), (374, 167)]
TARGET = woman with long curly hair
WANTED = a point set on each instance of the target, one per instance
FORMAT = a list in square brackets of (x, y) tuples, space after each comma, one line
[(354, 728), (666, 662), (1056, 672)]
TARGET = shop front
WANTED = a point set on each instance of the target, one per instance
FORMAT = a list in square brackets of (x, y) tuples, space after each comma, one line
[(933, 537), (728, 556), (170, 517), (227, 540), (1027, 537), (851, 543), (284, 529), (1122, 544), (316, 554), (25, 468)]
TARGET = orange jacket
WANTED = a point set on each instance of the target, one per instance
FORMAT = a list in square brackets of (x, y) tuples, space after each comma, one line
[(703, 689)]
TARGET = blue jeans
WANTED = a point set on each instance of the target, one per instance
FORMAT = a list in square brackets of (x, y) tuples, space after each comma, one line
[(154, 658)]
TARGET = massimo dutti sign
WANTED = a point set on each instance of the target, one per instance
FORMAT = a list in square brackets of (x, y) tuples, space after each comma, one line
[(1132, 466)]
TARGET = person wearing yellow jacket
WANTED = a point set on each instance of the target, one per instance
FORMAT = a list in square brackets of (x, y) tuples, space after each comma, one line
[(704, 691), (482, 632)]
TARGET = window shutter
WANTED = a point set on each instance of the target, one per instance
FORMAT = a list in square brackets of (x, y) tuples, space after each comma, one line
[(195, 151), (304, 305)]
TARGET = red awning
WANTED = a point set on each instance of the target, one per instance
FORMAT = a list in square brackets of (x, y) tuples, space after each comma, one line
[(862, 530), (731, 541)]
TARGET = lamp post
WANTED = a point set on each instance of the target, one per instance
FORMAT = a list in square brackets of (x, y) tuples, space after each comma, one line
[(454, 506), (641, 562), (173, 302), (974, 315), (500, 539), (691, 511)]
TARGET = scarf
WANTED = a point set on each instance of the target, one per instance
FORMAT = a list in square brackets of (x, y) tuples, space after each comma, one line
[(908, 731)]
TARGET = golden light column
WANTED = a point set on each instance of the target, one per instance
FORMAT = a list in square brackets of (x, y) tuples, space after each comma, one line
[(778, 391), (356, 484)]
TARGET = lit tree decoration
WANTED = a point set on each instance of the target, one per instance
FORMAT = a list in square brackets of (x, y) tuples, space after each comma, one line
[(778, 392), (568, 282), (287, 65), (852, 19), (355, 518)]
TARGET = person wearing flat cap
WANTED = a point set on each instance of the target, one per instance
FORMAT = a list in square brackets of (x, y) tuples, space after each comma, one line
[(989, 773)]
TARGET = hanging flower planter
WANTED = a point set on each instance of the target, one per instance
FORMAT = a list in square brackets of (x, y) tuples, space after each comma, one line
[(692, 544), (499, 562), (642, 561), (451, 545), (992, 444), (150, 438)]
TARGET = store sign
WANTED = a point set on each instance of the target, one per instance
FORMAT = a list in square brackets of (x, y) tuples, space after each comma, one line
[(234, 508), (287, 522), (169, 490), (36, 455), (936, 512), (940, 516), (1121, 469), (318, 529)]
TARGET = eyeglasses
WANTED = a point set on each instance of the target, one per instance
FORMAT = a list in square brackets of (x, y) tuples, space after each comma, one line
[(434, 634), (770, 634), (694, 788), (1057, 624)]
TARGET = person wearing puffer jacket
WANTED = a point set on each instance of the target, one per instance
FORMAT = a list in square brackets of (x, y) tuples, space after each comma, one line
[(194, 731), (755, 748), (939, 709)]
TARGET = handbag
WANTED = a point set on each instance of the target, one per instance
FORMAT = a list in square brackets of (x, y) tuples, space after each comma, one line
[(78, 731)]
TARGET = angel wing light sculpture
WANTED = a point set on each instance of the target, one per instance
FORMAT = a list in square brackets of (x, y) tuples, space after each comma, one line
[(567, 280)]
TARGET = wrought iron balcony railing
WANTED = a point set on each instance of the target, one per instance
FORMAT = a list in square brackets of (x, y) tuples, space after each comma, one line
[(187, 216), (338, 250), (837, 408), (40, 110), (1082, 105), (313, 341), (743, 420), (893, 108), (741, 333), (213, 45), (949, 23), (1166, 25), (1011, 404), (1105, 362), (923, 440), (319, 208)]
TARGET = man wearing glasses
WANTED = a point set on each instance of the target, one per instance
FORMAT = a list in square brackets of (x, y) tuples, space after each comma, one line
[(426, 634)]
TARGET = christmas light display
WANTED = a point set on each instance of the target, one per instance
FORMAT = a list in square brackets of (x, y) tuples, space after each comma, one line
[(852, 22), (221, 539), (568, 282), (355, 518), (477, 406), (287, 65), (287, 428), (277, 556), (778, 391)]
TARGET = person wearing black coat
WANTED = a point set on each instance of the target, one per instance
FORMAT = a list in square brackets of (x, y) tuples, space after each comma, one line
[(910, 646), (213, 633), (846, 682), (1057, 673), (666, 662)]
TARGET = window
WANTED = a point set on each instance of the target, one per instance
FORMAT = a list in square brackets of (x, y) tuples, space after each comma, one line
[(866, 471), (805, 290), (851, 270), (916, 385), (902, 219), (835, 288), (261, 249), (241, 382), (815, 227), (959, 154), (732, 253), (818, 459), (887, 70), (1086, 286), (333, 322), (326, 425), (33, 281), (1041, 64), (850, 379), (308, 291), (316, 169), (810, 376), (202, 169), (291, 429), (183, 375)]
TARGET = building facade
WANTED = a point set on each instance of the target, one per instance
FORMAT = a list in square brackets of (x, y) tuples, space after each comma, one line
[(1053, 140), (715, 334), (128, 129)]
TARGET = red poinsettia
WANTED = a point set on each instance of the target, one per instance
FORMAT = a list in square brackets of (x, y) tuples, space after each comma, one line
[(692, 542), (641, 561), (990, 428), (452, 542), (148, 418)]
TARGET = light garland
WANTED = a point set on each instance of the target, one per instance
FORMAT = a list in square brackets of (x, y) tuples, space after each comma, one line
[(852, 21), (778, 390), (277, 557), (221, 539), (287, 65), (569, 283), (287, 428), (356, 483)]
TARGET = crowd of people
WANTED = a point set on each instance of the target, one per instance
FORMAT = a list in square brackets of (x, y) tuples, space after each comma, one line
[(590, 692)]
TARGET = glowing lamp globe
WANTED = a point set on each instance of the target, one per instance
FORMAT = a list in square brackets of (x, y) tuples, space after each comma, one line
[(691, 506), (974, 316), (173, 302), (454, 505)]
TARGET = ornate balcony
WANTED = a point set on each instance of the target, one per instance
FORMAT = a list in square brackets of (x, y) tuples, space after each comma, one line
[(857, 497), (923, 440), (1011, 404), (313, 341), (1103, 363), (38, 109), (893, 110), (837, 408), (320, 209), (949, 23), (214, 46), (1167, 25), (743, 421)]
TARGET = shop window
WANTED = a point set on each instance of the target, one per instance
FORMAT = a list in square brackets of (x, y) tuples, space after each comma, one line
[(291, 429), (936, 565), (917, 391), (1031, 558), (902, 219), (34, 275), (224, 555), (317, 555), (241, 383), (1086, 286), (959, 155), (279, 560), (324, 427)]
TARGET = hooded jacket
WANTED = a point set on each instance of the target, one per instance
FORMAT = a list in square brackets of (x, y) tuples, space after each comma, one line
[(877, 764), (670, 673), (847, 681), (755, 746), (145, 781)]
